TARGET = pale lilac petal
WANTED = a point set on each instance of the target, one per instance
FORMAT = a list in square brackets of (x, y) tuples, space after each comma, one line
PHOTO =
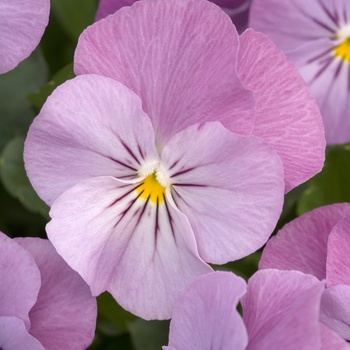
[(331, 340), (335, 309), (179, 56), (14, 335), (90, 126), (287, 115), (338, 254), (142, 252), (302, 243), (205, 316), (20, 280), (22, 25), (292, 23), (64, 316), (229, 186), (281, 310), (107, 7)]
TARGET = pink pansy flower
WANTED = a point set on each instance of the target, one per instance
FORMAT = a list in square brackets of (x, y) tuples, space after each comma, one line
[(22, 25), (280, 311), (315, 35), (154, 172), (44, 304), (236, 9), (318, 243)]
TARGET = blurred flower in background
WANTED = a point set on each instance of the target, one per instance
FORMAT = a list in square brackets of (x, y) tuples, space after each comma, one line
[(22, 25), (315, 35)]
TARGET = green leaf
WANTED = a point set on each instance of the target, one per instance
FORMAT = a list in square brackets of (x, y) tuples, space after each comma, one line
[(149, 335), (15, 179), (112, 319), (74, 15), (38, 98), (332, 185), (16, 113)]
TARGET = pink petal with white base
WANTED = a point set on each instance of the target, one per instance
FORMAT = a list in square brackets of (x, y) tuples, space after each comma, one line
[(205, 316), (302, 243), (20, 280), (64, 316), (179, 56), (338, 254), (127, 244), (14, 336), (281, 310), (90, 126), (335, 309), (229, 186), (22, 25), (287, 115)]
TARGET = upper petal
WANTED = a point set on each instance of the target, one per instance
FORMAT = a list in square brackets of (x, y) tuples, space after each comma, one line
[(89, 126), (281, 310), (22, 25), (205, 316), (179, 56), (20, 280), (64, 316), (229, 186), (143, 252), (287, 116), (302, 243)]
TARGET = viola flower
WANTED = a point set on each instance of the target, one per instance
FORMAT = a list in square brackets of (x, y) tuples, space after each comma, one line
[(44, 304), (236, 9), (280, 311), (150, 164), (318, 243), (22, 25), (315, 35)]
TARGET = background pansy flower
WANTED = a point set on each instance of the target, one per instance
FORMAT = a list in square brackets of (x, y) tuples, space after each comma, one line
[(315, 35), (22, 25), (155, 185), (280, 311), (44, 304), (318, 243)]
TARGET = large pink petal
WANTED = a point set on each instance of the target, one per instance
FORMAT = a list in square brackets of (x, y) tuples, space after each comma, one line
[(20, 280), (90, 126), (205, 316), (14, 335), (22, 25), (281, 310), (64, 316), (338, 254), (331, 340), (142, 252), (179, 56), (302, 243), (287, 116), (229, 186), (335, 309)]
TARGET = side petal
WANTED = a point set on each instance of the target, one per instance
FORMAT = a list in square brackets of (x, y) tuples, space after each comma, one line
[(179, 56), (205, 316), (64, 316), (229, 186), (22, 25), (89, 126), (287, 116), (335, 310), (126, 244), (281, 310), (331, 340), (302, 243), (338, 254), (14, 335), (20, 280)]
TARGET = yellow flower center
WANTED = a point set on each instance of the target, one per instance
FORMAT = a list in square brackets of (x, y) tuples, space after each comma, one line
[(151, 189), (343, 50)]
